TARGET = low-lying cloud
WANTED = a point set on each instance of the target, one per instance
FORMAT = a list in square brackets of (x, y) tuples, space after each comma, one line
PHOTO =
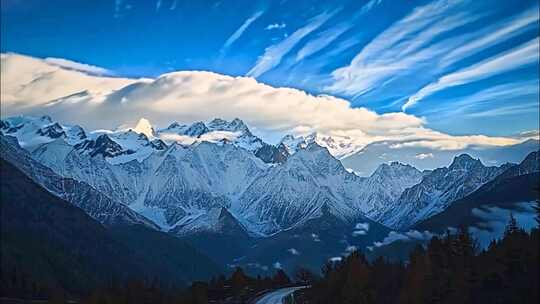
[(411, 235), (495, 219), (360, 229)]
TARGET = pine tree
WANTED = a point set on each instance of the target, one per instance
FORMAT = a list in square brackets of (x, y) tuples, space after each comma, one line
[(537, 207), (512, 226), (239, 280), (304, 276), (281, 278)]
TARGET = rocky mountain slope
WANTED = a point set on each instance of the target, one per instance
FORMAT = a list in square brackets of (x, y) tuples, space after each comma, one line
[(227, 192), (438, 189), (96, 204), (59, 246), (212, 177)]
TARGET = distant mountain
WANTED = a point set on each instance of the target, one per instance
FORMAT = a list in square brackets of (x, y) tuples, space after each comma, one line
[(55, 244), (382, 189), (366, 161), (339, 147), (222, 131), (515, 186), (438, 189)]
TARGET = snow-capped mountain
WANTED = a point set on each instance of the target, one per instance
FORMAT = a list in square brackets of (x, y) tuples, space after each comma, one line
[(438, 189), (382, 189), (185, 187), (366, 161), (144, 127), (339, 146), (217, 130), (186, 182), (33, 131), (485, 212), (176, 184), (290, 194), (120, 146), (221, 131), (94, 203)]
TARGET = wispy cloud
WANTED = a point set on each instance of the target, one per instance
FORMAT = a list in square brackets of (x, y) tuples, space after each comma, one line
[(405, 46), (325, 38), (530, 107), (273, 54), (322, 41), (424, 155), (240, 31), (530, 134), (274, 26), (481, 99), (293, 251), (158, 5), (118, 8), (518, 57), (76, 66), (492, 35)]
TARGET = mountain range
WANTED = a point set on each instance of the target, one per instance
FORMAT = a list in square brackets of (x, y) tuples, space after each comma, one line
[(231, 195)]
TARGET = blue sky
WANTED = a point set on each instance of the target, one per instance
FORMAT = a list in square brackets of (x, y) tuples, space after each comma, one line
[(467, 67)]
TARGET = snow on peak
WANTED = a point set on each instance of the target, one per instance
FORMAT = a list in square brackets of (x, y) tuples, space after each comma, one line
[(216, 131), (464, 162), (395, 167), (236, 125), (196, 129), (144, 127), (32, 131), (338, 146)]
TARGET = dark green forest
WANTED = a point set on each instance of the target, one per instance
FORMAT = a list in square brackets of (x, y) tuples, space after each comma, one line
[(449, 270)]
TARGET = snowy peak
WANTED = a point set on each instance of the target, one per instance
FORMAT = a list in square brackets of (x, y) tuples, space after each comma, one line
[(294, 143), (76, 132), (317, 160), (158, 144), (438, 189), (196, 129), (338, 146), (531, 163), (218, 131), (103, 145), (381, 190), (199, 128), (465, 162), (144, 127), (396, 169), (31, 131), (52, 131), (272, 154), (236, 125)]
